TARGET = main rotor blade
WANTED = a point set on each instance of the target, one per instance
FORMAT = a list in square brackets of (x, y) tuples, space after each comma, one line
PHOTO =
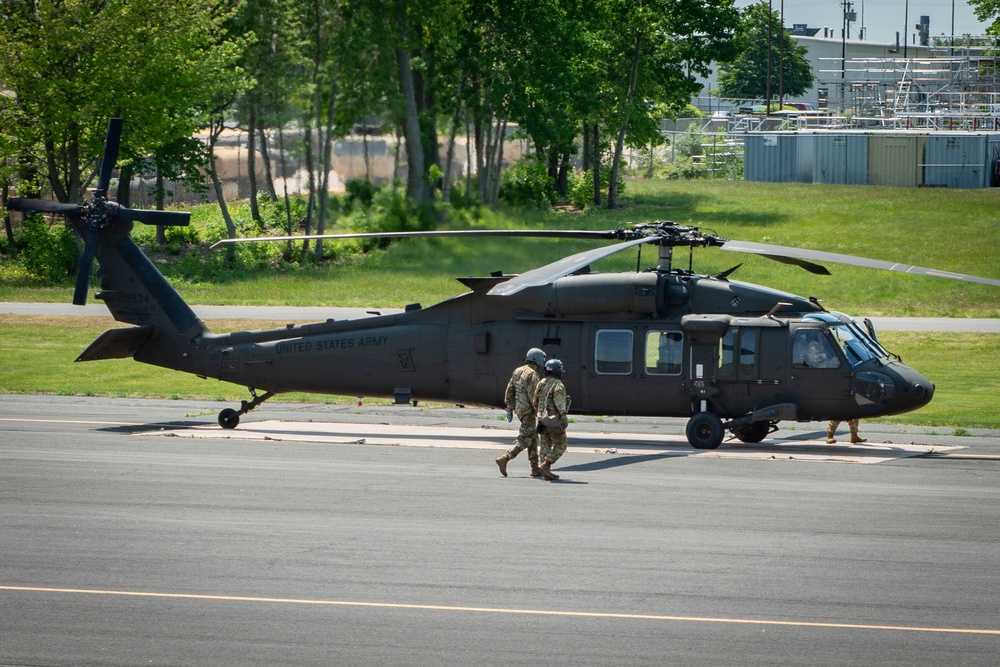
[(41, 206), (784, 253), (151, 217), (544, 275), (112, 142), (521, 233)]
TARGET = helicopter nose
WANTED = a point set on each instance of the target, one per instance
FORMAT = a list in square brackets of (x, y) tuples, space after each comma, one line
[(893, 390), (913, 390), (920, 392)]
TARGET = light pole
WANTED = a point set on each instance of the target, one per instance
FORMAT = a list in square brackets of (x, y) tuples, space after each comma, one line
[(767, 88)]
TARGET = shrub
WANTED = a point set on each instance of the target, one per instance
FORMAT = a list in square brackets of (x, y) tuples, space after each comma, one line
[(580, 189), (49, 253), (527, 183), (359, 191)]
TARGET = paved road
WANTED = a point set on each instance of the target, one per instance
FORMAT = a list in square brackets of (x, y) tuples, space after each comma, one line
[(124, 545), (290, 313)]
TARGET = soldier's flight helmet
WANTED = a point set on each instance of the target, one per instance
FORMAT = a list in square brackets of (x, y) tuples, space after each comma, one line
[(554, 367), (535, 356)]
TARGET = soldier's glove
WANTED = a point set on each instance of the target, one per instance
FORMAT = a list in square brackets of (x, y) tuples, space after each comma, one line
[(539, 429), (510, 416)]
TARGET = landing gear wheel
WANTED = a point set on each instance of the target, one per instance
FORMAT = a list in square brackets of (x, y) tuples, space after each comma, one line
[(229, 418), (704, 431), (754, 432)]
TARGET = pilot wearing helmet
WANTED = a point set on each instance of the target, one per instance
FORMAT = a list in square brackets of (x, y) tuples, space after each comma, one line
[(552, 410), (518, 399)]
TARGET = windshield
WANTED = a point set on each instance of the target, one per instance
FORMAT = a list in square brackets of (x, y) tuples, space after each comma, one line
[(857, 345), (856, 348)]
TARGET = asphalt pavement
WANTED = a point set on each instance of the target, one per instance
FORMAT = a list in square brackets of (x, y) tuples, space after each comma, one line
[(127, 540)]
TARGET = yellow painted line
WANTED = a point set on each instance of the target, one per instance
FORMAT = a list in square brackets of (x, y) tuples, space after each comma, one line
[(496, 610)]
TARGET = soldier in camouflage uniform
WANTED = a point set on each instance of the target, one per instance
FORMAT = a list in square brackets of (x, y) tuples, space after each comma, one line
[(518, 400), (831, 431), (552, 410)]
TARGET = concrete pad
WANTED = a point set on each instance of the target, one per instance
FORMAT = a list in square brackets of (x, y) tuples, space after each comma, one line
[(500, 439)]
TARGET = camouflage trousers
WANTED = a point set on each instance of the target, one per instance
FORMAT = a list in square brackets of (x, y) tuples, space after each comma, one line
[(552, 446), (527, 438)]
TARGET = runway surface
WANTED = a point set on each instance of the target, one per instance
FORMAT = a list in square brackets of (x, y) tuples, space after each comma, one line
[(138, 532)]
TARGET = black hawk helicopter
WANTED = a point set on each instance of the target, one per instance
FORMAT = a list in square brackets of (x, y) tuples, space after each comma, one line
[(667, 342)]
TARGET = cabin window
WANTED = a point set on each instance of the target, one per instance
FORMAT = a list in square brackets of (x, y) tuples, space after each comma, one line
[(738, 353), (664, 352), (613, 352), (812, 349), (748, 352), (726, 345)]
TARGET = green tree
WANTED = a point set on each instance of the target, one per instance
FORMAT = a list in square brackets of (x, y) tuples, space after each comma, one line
[(987, 10), (72, 64), (657, 49), (747, 75)]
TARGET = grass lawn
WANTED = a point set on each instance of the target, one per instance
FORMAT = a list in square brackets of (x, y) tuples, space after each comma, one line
[(954, 230)]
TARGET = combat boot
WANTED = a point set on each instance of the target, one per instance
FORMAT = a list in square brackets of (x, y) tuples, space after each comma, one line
[(830, 430), (535, 470), (502, 463), (546, 473), (855, 438)]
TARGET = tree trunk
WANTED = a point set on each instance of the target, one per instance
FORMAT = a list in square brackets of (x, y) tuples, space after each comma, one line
[(311, 171), (252, 164), (468, 156), (6, 216), (326, 155), (395, 161), (616, 160), (416, 190), (213, 136), (562, 177), (161, 233), (450, 155), (265, 159), (595, 164), (586, 147), (497, 163), (289, 229)]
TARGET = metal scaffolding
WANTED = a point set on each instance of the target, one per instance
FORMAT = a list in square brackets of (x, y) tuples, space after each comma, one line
[(955, 87)]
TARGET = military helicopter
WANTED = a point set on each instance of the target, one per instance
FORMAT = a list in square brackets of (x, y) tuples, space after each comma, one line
[(728, 355)]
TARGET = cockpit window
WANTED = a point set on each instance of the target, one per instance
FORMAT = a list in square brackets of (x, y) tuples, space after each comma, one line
[(812, 349), (852, 344), (858, 344)]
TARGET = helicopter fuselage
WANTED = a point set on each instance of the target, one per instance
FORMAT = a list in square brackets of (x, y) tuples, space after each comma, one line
[(646, 343)]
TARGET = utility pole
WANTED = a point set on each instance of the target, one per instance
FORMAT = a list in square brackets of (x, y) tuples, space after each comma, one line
[(849, 16), (770, 12), (906, 26), (781, 57)]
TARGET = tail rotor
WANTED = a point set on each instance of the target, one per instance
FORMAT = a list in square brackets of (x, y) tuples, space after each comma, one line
[(92, 217)]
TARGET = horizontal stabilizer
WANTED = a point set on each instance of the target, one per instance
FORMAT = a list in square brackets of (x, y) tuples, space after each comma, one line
[(117, 344)]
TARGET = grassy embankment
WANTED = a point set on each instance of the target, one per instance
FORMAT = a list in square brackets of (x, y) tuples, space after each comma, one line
[(948, 229)]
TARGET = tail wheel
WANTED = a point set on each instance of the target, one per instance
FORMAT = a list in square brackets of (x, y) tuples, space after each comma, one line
[(704, 431), (754, 432), (229, 418)]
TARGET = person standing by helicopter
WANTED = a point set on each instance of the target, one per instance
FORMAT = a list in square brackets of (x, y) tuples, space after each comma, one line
[(518, 399), (552, 410), (852, 424)]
